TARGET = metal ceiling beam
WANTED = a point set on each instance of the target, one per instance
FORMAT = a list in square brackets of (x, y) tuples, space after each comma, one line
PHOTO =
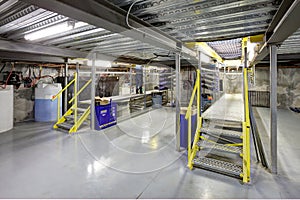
[(20, 47), (16, 56), (102, 13), (285, 23)]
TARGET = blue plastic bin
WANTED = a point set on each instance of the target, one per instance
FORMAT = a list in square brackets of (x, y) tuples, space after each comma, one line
[(184, 127), (106, 115)]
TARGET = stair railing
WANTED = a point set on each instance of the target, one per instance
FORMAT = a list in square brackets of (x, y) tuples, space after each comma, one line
[(75, 104), (58, 95), (246, 131), (192, 150), (74, 107)]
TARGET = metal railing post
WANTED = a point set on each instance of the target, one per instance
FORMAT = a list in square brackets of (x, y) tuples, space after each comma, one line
[(93, 74), (178, 99), (66, 91), (75, 102)]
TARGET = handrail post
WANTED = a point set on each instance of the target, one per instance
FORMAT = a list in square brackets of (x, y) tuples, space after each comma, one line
[(189, 136), (246, 154)]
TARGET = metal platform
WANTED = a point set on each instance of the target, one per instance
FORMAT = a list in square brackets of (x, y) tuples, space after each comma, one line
[(228, 107)]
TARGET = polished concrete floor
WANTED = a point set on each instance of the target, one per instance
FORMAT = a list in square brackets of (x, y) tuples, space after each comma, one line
[(229, 107), (135, 159)]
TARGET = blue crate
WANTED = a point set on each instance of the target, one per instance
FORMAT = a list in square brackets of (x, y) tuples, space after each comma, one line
[(106, 115), (184, 129)]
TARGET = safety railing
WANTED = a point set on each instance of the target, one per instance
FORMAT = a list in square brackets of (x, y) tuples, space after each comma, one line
[(74, 108), (246, 131), (192, 150), (58, 95), (75, 105)]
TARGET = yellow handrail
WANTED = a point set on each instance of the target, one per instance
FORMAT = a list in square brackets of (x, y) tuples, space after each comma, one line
[(74, 108), (61, 91), (78, 93), (246, 132), (192, 150)]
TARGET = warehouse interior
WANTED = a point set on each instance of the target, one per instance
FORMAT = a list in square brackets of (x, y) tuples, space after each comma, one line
[(149, 99)]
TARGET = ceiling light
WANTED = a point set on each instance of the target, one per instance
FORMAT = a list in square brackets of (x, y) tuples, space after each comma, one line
[(52, 30)]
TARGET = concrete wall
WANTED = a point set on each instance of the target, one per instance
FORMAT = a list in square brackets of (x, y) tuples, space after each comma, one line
[(288, 93)]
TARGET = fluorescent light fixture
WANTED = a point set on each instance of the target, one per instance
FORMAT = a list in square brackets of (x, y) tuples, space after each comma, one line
[(52, 30)]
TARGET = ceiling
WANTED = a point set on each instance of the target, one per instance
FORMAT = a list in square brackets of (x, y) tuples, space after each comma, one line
[(155, 29), (209, 20)]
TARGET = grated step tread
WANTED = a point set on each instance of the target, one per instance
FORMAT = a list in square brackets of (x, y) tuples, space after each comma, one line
[(80, 110), (216, 131), (222, 121), (65, 126), (213, 124), (218, 166), (220, 147), (71, 117)]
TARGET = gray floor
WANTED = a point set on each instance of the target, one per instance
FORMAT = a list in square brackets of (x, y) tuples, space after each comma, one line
[(135, 159), (229, 107)]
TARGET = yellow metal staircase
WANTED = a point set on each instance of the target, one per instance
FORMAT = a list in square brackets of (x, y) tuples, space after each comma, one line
[(220, 145), (75, 116)]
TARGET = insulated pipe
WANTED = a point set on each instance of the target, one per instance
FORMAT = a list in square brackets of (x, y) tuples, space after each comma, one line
[(273, 107), (178, 99)]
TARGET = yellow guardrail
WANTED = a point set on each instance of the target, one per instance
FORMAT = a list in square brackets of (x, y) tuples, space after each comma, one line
[(58, 95), (78, 93), (193, 150), (246, 132), (74, 108)]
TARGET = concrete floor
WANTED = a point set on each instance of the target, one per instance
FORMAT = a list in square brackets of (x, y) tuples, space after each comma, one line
[(135, 159), (229, 107)]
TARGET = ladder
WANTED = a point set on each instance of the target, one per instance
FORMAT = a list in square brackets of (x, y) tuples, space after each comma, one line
[(76, 116), (220, 145)]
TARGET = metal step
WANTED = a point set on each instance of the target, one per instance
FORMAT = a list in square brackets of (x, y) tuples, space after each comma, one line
[(71, 117), (219, 147), (219, 132), (65, 126), (80, 110), (223, 122), (218, 166), (88, 102), (225, 125)]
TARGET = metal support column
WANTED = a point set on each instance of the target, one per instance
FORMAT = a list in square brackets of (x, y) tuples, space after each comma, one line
[(224, 80), (200, 88), (76, 88), (273, 107), (172, 88), (66, 91), (130, 83), (93, 90), (77, 71), (178, 99)]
